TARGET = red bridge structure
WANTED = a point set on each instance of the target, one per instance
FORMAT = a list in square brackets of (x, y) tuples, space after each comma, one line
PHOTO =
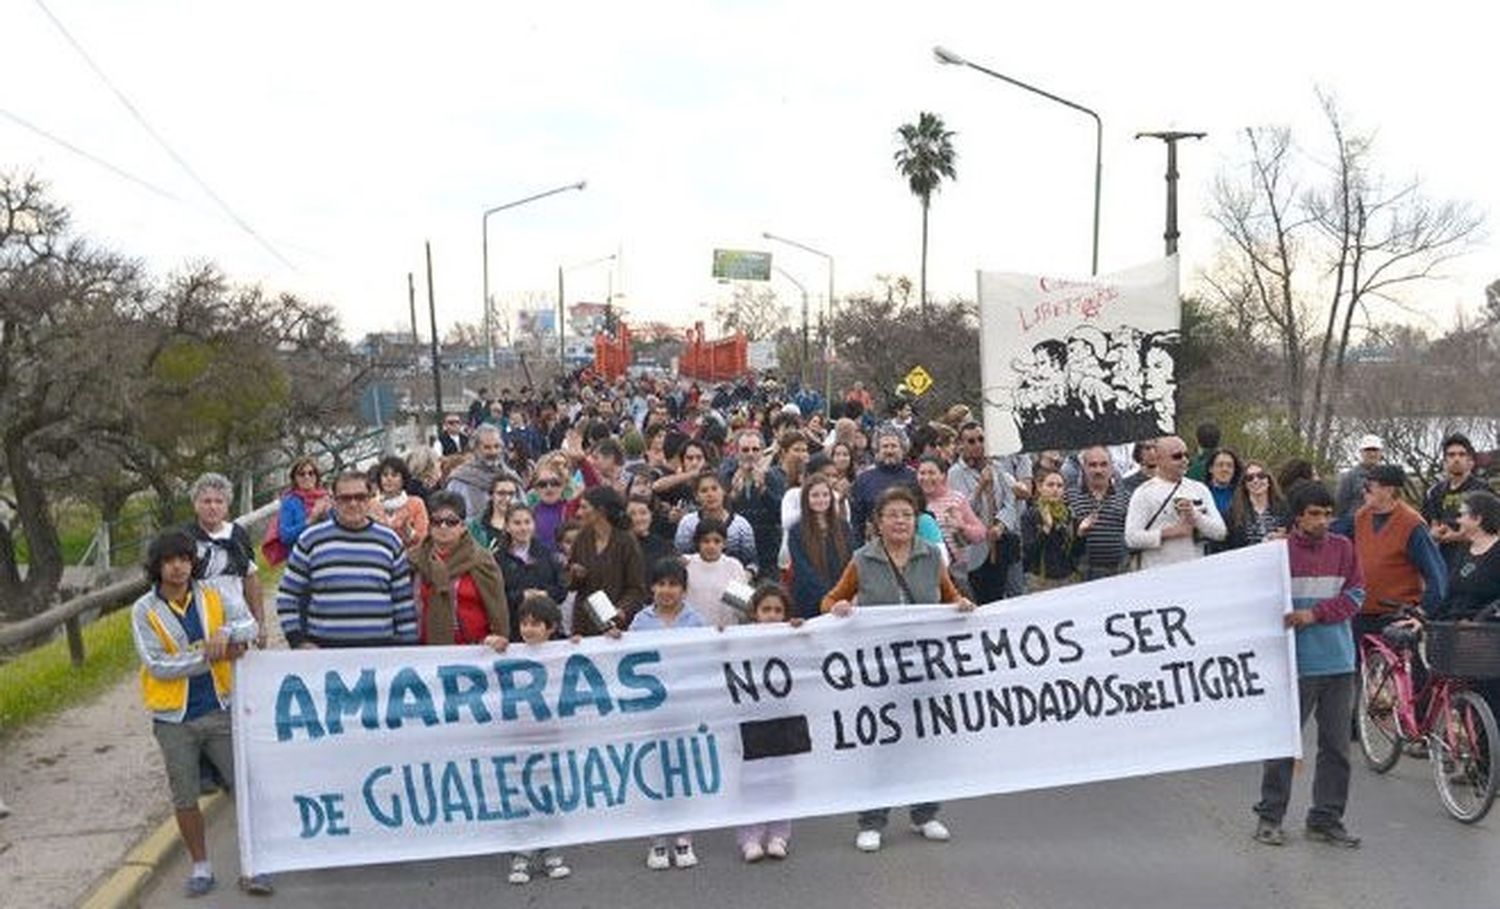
[(714, 361), (612, 353)]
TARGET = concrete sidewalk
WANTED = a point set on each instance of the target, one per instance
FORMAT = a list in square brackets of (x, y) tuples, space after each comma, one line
[(82, 788)]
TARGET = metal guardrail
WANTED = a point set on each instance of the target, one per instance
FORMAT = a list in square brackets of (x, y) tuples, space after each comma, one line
[(362, 448), (69, 613)]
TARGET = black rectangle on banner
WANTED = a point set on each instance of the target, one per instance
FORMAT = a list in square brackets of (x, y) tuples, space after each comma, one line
[(775, 738)]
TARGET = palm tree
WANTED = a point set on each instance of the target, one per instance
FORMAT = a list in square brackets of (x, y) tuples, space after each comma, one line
[(925, 157)]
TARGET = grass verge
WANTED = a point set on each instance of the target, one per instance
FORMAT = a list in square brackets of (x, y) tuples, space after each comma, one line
[(42, 682)]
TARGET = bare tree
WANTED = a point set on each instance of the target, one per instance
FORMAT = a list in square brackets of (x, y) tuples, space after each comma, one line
[(753, 309), (1302, 264)]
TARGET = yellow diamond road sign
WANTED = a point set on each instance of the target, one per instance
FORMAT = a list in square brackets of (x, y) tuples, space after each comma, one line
[(919, 381)]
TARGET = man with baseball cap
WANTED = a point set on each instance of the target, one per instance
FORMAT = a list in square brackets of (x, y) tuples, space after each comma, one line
[(1349, 494), (1397, 555)]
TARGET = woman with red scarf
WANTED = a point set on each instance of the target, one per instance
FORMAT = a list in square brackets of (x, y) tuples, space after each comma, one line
[(303, 505), (460, 596)]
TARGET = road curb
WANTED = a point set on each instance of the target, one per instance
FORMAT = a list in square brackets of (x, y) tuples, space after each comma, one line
[(126, 884)]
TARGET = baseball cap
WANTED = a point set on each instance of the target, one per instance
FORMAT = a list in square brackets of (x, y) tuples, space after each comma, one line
[(791, 408), (1370, 441), (1387, 475)]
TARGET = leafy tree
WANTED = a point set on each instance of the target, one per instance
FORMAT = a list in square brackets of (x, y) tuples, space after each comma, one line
[(925, 158), (111, 384), (878, 342)]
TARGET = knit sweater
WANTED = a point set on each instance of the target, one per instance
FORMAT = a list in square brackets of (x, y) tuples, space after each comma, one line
[(1326, 579), (1146, 517), (347, 588)]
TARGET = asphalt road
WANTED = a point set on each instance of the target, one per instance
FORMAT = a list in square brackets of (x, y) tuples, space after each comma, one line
[(1178, 840)]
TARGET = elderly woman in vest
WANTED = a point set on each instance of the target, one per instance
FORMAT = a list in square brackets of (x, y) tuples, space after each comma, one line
[(188, 634), (895, 568)]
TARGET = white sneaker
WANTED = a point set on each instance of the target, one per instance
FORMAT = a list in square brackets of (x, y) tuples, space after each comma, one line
[(753, 852), (520, 870), (932, 830), (683, 855), (867, 841), (555, 868), (776, 847), (658, 859)]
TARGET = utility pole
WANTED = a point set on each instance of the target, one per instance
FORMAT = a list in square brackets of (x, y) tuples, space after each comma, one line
[(562, 338), (1170, 137), (437, 365), (411, 300)]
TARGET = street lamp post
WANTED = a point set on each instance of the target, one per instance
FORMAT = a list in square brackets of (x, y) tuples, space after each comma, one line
[(788, 275), (827, 367), (484, 231), (562, 342), (948, 57)]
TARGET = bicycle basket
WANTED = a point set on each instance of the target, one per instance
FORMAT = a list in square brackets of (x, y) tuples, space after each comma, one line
[(1469, 650)]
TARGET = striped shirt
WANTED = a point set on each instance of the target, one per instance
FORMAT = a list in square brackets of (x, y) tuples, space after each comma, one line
[(1104, 544), (347, 588), (1325, 578)]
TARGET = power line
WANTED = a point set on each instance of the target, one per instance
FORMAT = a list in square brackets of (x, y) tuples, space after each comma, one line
[(171, 152), (127, 175), (87, 155)]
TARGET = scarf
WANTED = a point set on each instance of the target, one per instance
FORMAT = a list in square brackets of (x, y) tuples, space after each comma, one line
[(394, 503), (439, 619), (309, 497), (1057, 508)]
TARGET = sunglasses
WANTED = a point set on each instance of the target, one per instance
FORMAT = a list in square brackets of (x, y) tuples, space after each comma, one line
[(447, 521), (547, 484), (351, 499)]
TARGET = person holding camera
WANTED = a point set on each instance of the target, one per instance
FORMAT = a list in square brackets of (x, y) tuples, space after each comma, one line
[(1170, 514)]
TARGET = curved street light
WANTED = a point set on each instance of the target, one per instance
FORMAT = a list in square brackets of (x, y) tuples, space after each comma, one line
[(827, 367), (562, 337), (484, 230), (949, 58)]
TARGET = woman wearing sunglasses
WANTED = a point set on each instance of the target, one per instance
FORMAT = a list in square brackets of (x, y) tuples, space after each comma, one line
[(303, 504), (549, 503), (1259, 511), (460, 595)]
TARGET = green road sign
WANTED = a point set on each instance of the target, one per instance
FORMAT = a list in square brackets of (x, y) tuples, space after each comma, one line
[(742, 265)]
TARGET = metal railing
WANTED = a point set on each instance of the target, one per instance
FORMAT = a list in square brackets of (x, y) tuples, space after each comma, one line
[(70, 613)]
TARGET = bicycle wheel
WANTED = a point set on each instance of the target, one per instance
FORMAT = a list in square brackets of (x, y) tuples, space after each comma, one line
[(1462, 752), (1378, 720)]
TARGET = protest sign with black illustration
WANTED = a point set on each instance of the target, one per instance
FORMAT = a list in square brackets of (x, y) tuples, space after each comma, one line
[(1067, 363)]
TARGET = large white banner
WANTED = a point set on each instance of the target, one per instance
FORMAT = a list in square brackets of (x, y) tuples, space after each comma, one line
[(361, 756), (1070, 362)]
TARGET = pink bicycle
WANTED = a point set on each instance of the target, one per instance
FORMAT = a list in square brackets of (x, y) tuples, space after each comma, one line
[(1457, 725)]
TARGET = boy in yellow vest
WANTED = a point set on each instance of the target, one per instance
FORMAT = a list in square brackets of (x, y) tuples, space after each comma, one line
[(187, 634)]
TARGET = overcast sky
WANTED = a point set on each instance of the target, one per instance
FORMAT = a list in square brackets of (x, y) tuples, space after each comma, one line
[(347, 133)]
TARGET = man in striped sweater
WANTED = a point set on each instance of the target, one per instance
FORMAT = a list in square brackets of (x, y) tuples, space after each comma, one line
[(347, 582), (1099, 508), (1327, 590)]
